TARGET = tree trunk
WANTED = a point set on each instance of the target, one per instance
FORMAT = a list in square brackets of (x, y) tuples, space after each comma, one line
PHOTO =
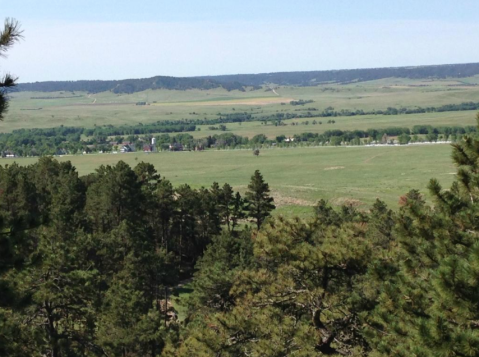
[(51, 330)]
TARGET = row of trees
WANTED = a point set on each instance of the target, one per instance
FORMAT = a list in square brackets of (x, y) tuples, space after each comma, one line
[(326, 113), (329, 137), (65, 140)]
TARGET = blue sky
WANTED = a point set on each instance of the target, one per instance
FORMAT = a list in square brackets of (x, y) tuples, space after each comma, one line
[(106, 39)]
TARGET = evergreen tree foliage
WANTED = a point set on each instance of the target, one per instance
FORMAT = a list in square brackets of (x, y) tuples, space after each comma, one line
[(227, 255), (299, 295), (259, 202), (237, 211), (430, 306), (87, 264), (9, 35)]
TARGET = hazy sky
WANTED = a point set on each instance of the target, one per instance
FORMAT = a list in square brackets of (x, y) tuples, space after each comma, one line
[(117, 39)]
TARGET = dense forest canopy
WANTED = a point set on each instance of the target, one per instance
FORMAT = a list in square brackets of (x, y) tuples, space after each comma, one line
[(240, 81)]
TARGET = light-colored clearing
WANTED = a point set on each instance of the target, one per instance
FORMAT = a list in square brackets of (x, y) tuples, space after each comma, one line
[(334, 168)]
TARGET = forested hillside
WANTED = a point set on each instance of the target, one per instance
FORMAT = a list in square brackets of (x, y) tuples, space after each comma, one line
[(352, 75), (240, 81), (130, 85)]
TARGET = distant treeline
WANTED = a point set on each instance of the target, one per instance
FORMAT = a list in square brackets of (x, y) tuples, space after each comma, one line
[(277, 118), (107, 130), (130, 85), (330, 137), (312, 78), (300, 102), (158, 127), (330, 112), (60, 141)]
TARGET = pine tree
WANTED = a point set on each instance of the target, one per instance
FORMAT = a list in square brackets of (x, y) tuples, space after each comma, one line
[(208, 219), (147, 176), (216, 270), (238, 211), (300, 295), (19, 218), (224, 198), (165, 209), (259, 202), (10, 34), (227, 204), (115, 196), (56, 282), (430, 306)]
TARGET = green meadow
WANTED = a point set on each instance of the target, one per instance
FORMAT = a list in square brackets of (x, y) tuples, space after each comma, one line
[(87, 110), (362, 122), (299, 177)]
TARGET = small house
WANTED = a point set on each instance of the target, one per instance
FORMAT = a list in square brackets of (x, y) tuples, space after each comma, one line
[(126, 148), (147, 148)]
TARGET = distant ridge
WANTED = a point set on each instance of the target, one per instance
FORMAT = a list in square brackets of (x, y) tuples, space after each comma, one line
[(241, 81), (310, 78), (130, 85)]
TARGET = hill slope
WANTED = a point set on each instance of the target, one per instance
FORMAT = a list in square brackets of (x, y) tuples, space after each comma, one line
[(351, 75), (130, 85), (239, 81)]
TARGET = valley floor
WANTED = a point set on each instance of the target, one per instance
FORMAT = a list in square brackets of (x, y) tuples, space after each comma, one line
[(298, 177)]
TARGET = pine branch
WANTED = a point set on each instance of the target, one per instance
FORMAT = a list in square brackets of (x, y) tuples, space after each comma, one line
[(7, 82), (10, 35)]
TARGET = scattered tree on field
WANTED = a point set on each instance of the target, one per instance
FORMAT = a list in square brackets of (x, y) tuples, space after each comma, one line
[(404, 139)]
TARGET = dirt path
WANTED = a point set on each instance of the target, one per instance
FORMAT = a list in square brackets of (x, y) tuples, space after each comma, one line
[(367, 161)]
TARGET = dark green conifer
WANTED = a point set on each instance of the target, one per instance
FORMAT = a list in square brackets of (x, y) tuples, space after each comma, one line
[(430, 306), (9, 35), (259, 202)]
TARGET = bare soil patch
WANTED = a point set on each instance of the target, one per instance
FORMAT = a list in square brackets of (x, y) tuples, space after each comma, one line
[(334, 168), (348, 201), (281, 200)]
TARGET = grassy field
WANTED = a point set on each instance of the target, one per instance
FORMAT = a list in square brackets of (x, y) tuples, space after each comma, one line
[(117, 109), (362, 122), (299, 177)]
